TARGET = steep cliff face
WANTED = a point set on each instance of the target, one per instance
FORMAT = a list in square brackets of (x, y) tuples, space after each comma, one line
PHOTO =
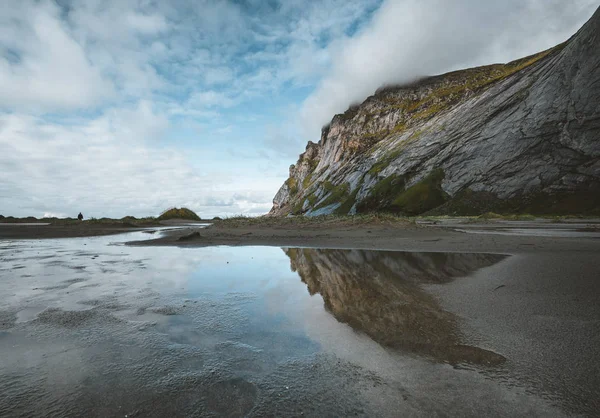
[(519, 137)]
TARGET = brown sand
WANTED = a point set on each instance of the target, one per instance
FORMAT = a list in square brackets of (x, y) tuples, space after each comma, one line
[(391, 236), (343, 233), (17, 231), (41, 230)]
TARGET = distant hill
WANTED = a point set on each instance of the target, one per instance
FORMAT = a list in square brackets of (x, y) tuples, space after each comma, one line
[(522, 137), (176, 213)]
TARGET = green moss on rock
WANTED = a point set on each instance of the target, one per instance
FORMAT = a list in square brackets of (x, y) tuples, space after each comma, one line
[(306, 181), (297, 208), (292, 185), (337, 194), (391, 195), (384, 162), (382, 195), (350, 113), (471, 203), (312, 199), (347, 204), (423, 196)]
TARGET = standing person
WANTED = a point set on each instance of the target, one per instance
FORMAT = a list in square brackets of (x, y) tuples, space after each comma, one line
[(80, 216)]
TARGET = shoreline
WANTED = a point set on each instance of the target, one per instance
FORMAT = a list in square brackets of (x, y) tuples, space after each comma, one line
[(442, 235), (401, 237), (47, 230), (519, 310), (28, 232)]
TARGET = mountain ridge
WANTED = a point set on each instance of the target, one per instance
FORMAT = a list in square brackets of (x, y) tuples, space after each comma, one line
[(517, 137)]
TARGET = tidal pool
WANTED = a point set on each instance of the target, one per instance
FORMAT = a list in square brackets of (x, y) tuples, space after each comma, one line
[(90, 327)]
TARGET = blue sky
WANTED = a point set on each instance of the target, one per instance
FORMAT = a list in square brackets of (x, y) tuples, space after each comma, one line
[(127, 107)]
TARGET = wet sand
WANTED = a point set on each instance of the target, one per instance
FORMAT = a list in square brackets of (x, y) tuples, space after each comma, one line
[(495, 237), (493, 321), (47, 231), (540, 308), (41, 230)]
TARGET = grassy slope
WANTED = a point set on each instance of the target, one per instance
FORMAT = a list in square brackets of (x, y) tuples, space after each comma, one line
[(176, 213)]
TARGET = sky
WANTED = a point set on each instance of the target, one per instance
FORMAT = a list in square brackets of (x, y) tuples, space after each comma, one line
[(129, 107)]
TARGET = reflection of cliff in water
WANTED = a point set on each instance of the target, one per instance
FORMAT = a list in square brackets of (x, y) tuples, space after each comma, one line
[(379, 293)]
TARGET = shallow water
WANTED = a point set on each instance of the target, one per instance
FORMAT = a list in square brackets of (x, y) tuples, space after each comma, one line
[(92, 327), (539, 232), (10, 224)]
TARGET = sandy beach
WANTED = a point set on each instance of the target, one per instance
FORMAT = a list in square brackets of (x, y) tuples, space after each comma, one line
[(507, 237), (47, 230), (251, 318)]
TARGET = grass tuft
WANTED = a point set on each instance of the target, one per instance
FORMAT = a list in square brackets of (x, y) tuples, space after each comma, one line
[(176, 213), (315, 221)]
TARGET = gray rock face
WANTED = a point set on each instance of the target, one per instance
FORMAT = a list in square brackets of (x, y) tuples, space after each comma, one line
[(520, 137)]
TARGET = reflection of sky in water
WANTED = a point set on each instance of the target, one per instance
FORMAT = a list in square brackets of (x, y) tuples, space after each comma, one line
[(240, 269), (260, 282), (256, 298), (224, 329), (247, 293)]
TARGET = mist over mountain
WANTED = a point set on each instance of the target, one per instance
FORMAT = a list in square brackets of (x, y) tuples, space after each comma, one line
[(519, 137)]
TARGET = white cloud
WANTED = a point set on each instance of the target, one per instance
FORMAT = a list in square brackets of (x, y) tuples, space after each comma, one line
[(48, 69), (146, 24), (210, 99), (90, 88), (217, 75), (121, 40), (54, 215), (281, 142), (112, 166), (411, 38), (224, 130)]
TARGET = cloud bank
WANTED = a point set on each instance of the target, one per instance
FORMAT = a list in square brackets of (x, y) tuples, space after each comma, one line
[(109, 167), (407, 39)]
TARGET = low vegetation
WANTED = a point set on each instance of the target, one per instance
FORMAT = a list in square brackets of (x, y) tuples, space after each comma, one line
[(423, 196), (292, 185), (316, 221), (176, 213), (350, 113), (382, 194), (306, 181), (385, 161), (391, 195), (297, 208), (337, 194), (350, 201), (127, 221), (584, 203)]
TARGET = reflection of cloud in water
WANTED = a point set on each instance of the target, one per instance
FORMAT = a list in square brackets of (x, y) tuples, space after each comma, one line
[(223, 331), (379, 293), (78, 264)]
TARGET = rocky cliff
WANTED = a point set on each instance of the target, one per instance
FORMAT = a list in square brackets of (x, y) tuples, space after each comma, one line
[(516, 137)]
